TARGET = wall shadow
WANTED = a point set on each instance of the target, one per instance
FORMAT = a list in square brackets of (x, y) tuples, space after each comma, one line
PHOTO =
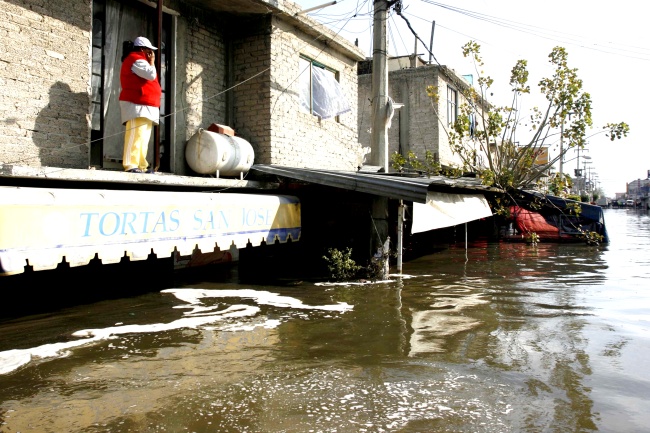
[(58, 130)]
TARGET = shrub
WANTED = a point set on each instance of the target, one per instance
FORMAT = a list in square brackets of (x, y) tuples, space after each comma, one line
[(340, 264)]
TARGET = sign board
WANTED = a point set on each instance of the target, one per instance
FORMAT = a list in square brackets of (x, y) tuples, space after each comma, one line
[(42, 226)]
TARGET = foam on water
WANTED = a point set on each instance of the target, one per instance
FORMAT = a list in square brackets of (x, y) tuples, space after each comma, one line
[(199, 315)]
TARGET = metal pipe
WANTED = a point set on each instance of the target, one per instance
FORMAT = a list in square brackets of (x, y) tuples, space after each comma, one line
[(400, 235), (433, 27), (304, 11)]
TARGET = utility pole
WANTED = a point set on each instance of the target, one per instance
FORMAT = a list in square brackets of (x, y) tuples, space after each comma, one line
[(379, 133), (379, 239), (562, 148), (562, 143)]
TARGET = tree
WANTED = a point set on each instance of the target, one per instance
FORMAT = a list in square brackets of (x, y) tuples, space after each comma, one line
[(490, 150)]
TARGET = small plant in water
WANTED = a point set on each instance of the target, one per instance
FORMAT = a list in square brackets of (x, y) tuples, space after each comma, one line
[(532, 238), (593, 238), (340, 265)]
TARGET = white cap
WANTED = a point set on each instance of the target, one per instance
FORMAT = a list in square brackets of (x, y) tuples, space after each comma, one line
[(141, 41)]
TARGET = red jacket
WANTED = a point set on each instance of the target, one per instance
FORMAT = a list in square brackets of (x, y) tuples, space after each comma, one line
[(137, 89)]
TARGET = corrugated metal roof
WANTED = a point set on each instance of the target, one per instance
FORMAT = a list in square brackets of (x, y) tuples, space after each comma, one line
[(393, 185)]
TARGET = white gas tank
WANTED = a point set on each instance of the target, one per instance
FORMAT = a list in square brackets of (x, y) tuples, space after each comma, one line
[(219, 154)]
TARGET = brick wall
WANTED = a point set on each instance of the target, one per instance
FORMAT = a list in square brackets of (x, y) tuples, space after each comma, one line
[(424, 124), (300, 139), (201, 79), (251, 102), (45, 76), (267, 107)]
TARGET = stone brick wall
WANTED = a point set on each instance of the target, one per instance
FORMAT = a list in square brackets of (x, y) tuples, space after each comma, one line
[(252, 67), (200, 80), (300, 139), (251, 93), (265, 103), (45, 82), (267, 107)]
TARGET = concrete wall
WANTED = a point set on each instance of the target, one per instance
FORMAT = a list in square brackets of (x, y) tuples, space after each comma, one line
[(45, 82)]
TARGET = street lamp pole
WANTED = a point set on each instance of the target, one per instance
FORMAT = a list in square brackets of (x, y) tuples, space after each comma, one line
[(562, 148), (562, 144)]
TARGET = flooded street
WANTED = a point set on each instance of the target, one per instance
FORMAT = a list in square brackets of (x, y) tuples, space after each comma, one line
[(498, 338)]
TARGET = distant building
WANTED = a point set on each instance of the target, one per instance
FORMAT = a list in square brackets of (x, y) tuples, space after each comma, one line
[(420, 124), (638, 189)]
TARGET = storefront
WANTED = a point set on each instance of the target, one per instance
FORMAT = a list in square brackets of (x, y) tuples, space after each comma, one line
[(41, 228)]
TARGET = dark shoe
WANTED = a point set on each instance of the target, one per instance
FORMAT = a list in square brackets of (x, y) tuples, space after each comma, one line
[(150, 170), (134, 170)]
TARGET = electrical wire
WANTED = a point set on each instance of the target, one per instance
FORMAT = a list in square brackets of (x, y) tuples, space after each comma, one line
[(545, 33)]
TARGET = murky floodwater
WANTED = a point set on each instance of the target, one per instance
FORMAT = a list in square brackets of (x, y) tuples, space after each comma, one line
[(501, 338)]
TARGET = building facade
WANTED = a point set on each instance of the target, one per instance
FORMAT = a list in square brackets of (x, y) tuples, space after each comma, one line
[(421, 123), (238, 63), (638, 190), (281, 81)]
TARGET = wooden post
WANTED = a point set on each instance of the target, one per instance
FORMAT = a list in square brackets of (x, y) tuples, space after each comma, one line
[(156, 130)]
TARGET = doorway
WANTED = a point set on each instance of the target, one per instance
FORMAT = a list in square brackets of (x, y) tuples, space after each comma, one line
[(113, 23)]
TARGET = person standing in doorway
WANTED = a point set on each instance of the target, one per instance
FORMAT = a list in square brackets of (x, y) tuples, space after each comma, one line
[(139, 103)]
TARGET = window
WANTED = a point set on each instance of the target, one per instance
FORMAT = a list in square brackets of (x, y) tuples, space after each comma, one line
[(320, 92), (452, 106)]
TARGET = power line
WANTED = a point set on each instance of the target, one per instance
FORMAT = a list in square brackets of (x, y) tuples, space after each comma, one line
[(561, 37), (549, 34), (392, 25)]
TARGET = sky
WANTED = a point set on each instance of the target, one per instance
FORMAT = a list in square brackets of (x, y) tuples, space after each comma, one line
[(606, 42)]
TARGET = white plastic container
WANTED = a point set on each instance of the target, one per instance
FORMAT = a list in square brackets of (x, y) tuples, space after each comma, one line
[(218, 154)]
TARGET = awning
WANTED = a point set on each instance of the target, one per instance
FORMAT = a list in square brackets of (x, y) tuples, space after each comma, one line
[(438, 201), (391, 185), (446, 210), (42, 227)]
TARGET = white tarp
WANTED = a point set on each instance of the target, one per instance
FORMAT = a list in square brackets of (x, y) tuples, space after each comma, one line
[(328, 96), (446, 210)]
